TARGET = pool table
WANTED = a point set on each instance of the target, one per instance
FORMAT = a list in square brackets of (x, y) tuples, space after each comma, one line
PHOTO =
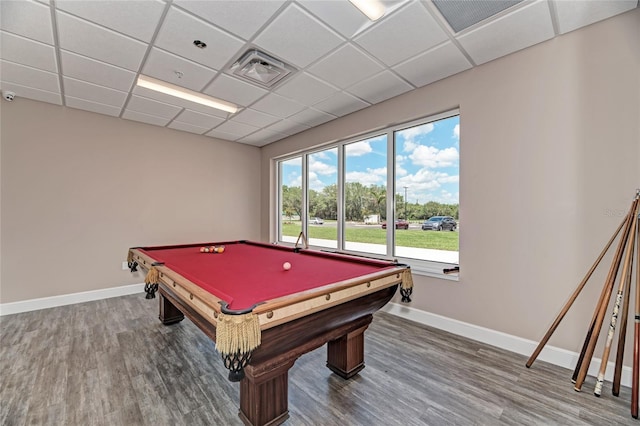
[(264, 316)]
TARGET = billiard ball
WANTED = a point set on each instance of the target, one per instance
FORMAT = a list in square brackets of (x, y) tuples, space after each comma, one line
[(286, 266)]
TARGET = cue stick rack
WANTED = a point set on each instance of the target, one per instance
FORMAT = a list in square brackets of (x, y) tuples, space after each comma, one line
[(621, 270)]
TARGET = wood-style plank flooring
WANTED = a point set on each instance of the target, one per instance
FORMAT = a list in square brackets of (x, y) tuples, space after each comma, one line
[(111, 362)]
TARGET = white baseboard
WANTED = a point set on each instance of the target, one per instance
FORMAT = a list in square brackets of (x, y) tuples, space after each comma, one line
[(68, 299), (551, 354)]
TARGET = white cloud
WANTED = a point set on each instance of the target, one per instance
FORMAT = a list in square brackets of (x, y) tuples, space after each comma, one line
[(456, 131), (429, 156), (408, 136), (370, 177), (320, 167), (314, 182), (358, 148)]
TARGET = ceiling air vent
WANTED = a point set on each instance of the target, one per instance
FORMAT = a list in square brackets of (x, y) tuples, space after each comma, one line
[(261, 69)]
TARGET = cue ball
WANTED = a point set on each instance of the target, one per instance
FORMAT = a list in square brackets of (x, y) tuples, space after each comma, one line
[(286, 266)]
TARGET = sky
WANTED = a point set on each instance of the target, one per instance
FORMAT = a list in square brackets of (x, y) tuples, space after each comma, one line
[(427, 163)]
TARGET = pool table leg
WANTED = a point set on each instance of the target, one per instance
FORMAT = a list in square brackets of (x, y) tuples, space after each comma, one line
[(264, 394), (169, 314), (345, 355)]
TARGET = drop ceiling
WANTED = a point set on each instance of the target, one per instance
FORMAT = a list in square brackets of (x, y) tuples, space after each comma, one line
[(88, 54)]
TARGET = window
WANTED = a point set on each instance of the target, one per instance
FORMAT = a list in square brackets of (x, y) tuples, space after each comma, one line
[(394, 194)]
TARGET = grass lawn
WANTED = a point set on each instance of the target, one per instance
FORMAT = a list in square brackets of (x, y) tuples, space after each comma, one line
[(374, 234)]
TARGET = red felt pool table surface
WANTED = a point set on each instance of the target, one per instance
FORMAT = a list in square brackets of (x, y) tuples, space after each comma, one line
[(248, 273)]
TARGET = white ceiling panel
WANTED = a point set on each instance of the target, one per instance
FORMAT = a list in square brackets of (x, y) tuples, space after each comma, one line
[(433, 65), (527, 26), (242, 18), (278, 105), (341, 104), (237, 129), (145, 118), (198, 119), (28, 19), (306, 89), (288, 127), (380, 87), (106, 45), (186, 127), (180, 30), (29, 77), (31, 93), (88, 54), (177, 70), (311, 117), (573, 14), (297, 37), (27, 52), (233, 90), (86, 105), (406, 33), (345, 66), (152, 107), (138, 19), (93, 92), (255, 118), (83, 68)]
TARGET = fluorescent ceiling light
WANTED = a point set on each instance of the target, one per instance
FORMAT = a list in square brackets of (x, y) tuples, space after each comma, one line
[(374, 9), (186, 94)]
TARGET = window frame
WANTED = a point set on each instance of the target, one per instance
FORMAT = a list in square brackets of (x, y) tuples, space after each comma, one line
[(419, 266)]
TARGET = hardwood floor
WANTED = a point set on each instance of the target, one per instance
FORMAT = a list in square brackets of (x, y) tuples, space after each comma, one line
[(111, 362)]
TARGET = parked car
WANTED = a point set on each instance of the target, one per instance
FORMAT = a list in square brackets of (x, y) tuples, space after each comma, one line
[(439, 223), (316, 221), (400, 224)]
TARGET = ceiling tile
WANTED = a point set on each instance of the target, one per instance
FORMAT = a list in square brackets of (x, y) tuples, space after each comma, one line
[(222, 135), (311, 117), (306, 89), (83, 68), (137, 19), (29, 77), (152, 94), (145, 118), (341, 104), (92, 106), (297, 37), (380, 87), (345, 66), (233, 90), (198, 119), (179, 31), (166, 66), (186, 127), (74, 33), (31, 93), (151, 107), (92, 92), (342, 16), (242, 18), (277, 105), (27, 52), (255, 118), (391, 45), (262, 138), (288, 127), (436, 64), (526, 26), (28, 19), (573, 14), (237, 129)]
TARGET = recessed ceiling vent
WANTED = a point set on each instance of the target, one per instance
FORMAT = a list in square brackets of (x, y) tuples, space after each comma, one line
[(462, 14), (259, 68)]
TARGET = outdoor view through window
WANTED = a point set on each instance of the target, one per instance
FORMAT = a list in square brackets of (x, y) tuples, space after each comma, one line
[(349, 209)]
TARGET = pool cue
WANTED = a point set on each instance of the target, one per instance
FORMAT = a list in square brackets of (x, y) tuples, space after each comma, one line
[(636, 343), (628, 260), (622, 336), (596, 324), (572, 299)]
